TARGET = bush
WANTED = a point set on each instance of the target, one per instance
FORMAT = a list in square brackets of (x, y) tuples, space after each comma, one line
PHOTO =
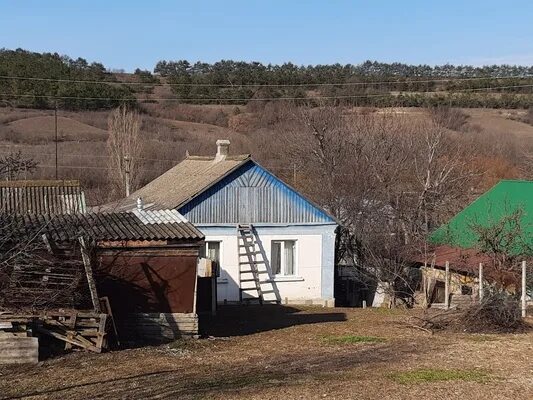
[(498, 313)]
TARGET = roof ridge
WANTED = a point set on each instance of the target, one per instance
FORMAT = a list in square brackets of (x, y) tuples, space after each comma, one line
[(236, 157), (515, 180)]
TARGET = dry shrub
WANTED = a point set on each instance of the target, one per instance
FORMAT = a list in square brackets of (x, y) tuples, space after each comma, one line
[(450, 118), (244, 122), (203, 114), (498, 313)]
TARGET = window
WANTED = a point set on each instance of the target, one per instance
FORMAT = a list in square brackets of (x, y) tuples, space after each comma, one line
[(212, 251), (283, 257)]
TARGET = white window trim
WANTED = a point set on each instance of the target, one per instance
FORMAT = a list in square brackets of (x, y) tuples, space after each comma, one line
[(287, 278), (281, 277)]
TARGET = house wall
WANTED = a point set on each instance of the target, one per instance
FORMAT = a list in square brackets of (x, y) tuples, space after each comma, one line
[(314, 275)]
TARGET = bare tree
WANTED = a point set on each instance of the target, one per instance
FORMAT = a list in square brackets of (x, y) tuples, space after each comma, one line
[(505, 244), (124, 145), (14, 166), (387, 179)]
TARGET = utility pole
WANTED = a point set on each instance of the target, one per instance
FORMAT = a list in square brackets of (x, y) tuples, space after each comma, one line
[(55, 124), (127, 173)]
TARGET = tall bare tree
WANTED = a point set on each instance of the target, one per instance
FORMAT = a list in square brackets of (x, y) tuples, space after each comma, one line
[(124, 146), (386, 178)]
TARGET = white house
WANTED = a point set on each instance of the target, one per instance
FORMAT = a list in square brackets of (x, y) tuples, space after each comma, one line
[(269, 241)]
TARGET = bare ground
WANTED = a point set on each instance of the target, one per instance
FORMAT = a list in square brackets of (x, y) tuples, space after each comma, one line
[(275, 352)]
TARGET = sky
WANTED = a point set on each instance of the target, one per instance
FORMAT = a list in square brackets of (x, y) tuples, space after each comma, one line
[(129, 34)]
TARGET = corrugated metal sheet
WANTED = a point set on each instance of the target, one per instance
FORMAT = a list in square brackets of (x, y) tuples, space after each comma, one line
[(105, 226), (42, 197), (251, 194)]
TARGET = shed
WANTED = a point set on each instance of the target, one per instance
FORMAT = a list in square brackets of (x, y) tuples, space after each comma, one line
[(144, 262)]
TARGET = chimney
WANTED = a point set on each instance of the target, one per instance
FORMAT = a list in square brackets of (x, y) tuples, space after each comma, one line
[(140, 204), (222, 149)]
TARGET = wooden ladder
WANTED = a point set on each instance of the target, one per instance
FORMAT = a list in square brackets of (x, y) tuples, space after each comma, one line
[(246, 241)]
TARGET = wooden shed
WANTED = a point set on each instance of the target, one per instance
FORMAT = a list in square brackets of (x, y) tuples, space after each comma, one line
[(144, 262)]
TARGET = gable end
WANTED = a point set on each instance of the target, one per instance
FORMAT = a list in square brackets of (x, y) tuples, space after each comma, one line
[(251, 194)]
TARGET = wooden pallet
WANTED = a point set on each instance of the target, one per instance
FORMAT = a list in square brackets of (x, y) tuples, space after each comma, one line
[(78, 329)]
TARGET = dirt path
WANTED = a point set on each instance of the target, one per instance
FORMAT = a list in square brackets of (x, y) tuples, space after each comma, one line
[(290, 356)]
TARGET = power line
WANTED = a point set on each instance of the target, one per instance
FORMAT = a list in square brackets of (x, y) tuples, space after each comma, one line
[(34, 152), (227, 99), (256, 85)]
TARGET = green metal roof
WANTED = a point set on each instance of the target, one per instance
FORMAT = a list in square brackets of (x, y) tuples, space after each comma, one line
[(504, 198)]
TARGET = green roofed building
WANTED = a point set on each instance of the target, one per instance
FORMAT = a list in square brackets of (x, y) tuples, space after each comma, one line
[(505, 198), (507, 211)]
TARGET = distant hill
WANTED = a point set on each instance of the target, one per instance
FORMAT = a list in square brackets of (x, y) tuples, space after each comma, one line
[(42, 80)]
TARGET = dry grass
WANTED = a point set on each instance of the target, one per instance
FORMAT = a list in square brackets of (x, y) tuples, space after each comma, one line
[(271, 353)]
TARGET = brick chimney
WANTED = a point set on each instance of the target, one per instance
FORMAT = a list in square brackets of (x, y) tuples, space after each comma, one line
[(222, 149)]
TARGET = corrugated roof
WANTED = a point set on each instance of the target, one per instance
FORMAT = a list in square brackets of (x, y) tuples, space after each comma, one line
[(113, 226), (503, 199), (466, 262), (42, 197), (182, 182)]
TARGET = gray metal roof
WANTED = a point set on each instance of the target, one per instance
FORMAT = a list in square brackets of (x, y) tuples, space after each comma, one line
[(183, 182), (42, 197), (113, 226)]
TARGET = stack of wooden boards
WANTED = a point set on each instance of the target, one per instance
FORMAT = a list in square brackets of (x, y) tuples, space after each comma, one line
[(86, 330)]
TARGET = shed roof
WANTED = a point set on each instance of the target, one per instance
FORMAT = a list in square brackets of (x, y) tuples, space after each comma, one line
[(183, 182), (115, 226), (42, 197), (504, 198)]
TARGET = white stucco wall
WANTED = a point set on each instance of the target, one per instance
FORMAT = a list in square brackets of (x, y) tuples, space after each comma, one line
[(313, 277)]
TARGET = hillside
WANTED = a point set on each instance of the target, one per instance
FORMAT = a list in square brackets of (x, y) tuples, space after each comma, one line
[(170, 130)]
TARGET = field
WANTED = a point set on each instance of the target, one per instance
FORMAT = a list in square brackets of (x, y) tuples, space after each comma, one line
[(293, 353)]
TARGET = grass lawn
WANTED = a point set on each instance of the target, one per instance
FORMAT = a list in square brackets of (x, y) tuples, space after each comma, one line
[(292, 353)]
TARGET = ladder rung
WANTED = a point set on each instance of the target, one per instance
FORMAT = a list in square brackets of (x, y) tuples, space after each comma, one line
[(250, 252), (253, 272), (250, 262), (247, 244)]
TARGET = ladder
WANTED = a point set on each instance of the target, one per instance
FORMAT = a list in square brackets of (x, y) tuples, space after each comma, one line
[(249, 274)]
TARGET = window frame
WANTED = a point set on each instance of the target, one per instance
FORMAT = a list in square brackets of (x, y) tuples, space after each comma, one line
[(283, 266), (205, 252)]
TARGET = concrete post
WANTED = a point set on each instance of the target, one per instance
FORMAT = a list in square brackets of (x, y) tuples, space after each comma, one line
[(524, 303), (447, 285), (481, 282)]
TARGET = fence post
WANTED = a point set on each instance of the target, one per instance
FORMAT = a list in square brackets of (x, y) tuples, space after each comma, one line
[(447, 285), (524, 303), (481, 282)]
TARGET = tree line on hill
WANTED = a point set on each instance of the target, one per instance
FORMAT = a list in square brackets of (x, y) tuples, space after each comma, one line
[(366, 84), (237, 82), (45, 93)]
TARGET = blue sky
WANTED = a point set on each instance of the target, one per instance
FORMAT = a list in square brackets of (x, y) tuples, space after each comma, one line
[(130, 34)]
